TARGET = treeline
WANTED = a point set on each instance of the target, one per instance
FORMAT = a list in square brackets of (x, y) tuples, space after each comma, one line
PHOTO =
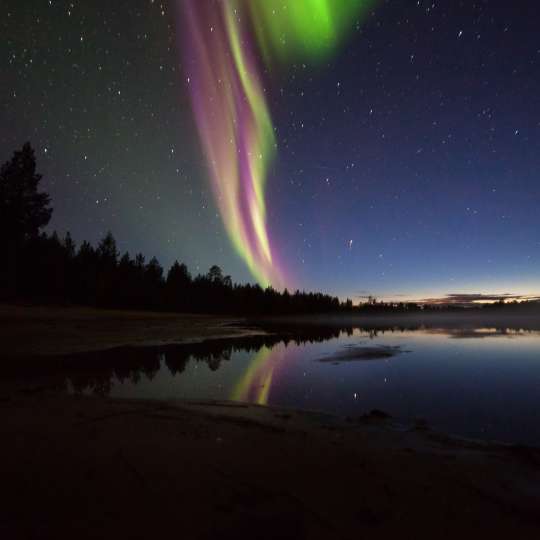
[(45, 268), (54, 269), (374, 307)]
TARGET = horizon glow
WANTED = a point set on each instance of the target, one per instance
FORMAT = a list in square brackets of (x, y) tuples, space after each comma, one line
[(224, 44)]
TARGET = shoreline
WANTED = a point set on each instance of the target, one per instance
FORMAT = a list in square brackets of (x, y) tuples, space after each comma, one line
[(46, 331), (42, 331)]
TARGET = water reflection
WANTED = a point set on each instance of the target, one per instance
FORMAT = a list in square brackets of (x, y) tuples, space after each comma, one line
[(254, 385), (476, 333), (476, 381), (98, 372)]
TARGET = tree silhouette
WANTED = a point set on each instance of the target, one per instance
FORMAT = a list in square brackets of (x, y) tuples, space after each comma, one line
[(46, 268), (22, 208), (178, 287), (153, 284), (215, 274), (23, 212), (106, 250), (107, 277)]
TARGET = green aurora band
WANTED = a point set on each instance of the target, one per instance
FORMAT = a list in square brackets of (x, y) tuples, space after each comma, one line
[(292, 30)]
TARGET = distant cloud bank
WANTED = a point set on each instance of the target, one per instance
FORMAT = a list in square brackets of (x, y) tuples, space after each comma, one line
[(466, 299), (449, 299)]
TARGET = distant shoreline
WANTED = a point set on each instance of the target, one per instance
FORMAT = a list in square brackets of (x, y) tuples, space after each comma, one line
[(527, 321), (51, 330)]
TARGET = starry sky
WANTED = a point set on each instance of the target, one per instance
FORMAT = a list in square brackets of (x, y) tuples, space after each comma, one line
[(407, 164)]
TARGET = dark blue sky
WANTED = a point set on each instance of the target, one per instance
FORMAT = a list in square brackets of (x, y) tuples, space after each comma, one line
[(419, 142)]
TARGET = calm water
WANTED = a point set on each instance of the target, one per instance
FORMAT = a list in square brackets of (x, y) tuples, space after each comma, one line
[(483, 383)]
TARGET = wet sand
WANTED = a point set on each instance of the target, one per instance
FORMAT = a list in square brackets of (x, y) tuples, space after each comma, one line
[(44, 330), (83, 467)]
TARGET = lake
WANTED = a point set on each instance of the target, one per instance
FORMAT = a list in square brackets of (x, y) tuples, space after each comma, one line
[(473, 382)]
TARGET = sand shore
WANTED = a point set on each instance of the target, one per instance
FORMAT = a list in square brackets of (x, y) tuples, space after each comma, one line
[(100, 468), (45, 330)]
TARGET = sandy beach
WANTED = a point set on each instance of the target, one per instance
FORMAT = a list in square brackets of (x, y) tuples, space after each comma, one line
[(44, 330), (100, 468)]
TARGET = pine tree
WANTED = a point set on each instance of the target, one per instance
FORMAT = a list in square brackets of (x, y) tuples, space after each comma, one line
[(23, 212)]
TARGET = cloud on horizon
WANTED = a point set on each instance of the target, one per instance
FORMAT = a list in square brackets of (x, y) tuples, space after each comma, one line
[(468, 299)]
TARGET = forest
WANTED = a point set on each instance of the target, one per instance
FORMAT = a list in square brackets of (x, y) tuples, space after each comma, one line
[(41, 267)]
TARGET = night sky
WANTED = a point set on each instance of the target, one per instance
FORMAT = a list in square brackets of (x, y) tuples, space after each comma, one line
[(407, 164)]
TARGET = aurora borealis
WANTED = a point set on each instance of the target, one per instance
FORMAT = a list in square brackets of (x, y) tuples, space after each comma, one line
[(289, 31), (230, 105), (235, 128), (387, 148)]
